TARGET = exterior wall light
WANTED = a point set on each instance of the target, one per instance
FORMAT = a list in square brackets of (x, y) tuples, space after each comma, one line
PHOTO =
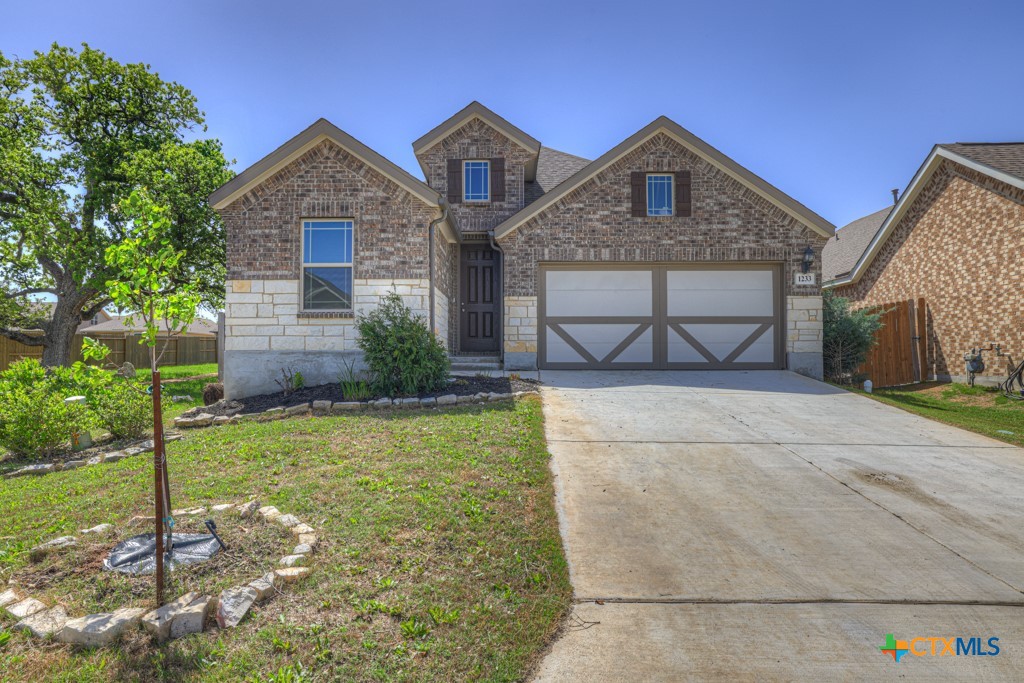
[(808, 259)]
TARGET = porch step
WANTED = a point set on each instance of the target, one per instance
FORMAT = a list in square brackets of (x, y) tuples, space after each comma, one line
[(475, 363)]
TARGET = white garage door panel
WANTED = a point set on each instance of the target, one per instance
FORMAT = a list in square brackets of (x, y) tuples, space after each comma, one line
[(699, 317), (604, 293), (720, 292)]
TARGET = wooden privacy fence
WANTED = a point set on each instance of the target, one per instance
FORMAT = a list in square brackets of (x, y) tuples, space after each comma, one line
[(180, 351), (900, 354)]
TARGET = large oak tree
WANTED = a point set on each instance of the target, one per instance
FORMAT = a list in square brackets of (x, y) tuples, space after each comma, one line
[(78, 132)]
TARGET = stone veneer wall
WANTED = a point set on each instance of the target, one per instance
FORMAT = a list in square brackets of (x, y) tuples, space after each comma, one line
[(266, 332), (804, 335), (520, 338), (959, 247)]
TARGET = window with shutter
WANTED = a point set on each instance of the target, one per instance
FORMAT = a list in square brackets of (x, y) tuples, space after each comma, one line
[(476, 181), (659, 194)]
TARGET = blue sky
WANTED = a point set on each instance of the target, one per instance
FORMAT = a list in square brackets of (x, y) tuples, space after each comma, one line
[(834, 103)]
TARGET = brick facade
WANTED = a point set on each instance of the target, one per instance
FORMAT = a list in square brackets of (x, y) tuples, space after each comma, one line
[(477, 140), (959, 247), (729, 223), (264, 226)]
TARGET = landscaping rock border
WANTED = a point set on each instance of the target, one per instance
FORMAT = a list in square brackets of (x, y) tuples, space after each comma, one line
[(324, 408), (189, 613), (110, 457)]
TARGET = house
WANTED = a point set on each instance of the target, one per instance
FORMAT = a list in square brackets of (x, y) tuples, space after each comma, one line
[(119, 326), (661, 253), (955, 239)]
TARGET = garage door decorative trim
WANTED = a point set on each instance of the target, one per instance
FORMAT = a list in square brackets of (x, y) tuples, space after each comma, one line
[(620, 332)]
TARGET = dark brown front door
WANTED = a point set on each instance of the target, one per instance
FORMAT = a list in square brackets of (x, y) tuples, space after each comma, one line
[(479, 306)]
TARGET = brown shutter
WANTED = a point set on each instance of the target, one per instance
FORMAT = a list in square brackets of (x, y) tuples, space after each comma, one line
[(684, 203), (454, 181), (498, 179), (638, 192)]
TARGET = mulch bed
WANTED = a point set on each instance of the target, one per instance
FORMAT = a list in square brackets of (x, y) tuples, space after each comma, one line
[(460, 386)]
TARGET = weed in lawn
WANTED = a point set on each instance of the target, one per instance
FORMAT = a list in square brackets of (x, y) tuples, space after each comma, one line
[(440, 616), (415, 629)]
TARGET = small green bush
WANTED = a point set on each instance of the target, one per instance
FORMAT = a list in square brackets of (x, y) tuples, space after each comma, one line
[(403, 356), (849, 334), (34, 419), (124, 409)]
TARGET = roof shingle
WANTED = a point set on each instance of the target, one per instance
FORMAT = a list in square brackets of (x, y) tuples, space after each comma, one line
[(553, 167), (844, 249)]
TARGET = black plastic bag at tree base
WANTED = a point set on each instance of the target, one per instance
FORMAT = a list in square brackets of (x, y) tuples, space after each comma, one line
[(137, 555)]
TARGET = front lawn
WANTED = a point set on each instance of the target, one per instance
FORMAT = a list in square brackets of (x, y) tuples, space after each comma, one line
[(978, 409), (205, 370), (445, 517)]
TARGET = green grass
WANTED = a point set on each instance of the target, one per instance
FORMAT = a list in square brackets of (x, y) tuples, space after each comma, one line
[(978, 409), (179, 371), (440, 557)]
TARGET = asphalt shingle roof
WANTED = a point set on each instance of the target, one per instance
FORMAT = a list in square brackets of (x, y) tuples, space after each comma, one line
[(119, 324), (843, 250), (1007, 157), (553, 167)]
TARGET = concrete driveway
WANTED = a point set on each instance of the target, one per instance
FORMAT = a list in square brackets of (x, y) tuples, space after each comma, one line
[(764, 526)]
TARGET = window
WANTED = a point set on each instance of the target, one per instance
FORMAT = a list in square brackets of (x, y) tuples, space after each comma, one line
[(476, 176), (327, 265), (659, 194)]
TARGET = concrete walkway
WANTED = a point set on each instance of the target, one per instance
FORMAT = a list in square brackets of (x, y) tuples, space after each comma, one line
[(764, 526)]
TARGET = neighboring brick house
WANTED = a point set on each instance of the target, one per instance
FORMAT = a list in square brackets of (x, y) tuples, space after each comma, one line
[(955, 238), (662, 253)]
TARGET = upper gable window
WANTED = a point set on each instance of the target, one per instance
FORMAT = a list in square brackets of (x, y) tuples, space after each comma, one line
[(476, 181), (659, 194), (327, 265)]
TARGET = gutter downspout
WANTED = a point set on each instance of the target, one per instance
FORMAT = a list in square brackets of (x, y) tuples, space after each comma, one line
[(501, 295), (430, 247)]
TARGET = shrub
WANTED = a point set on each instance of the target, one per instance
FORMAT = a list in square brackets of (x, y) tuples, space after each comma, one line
[(848, 336), (34, 419), (124, 409), (402, 354)]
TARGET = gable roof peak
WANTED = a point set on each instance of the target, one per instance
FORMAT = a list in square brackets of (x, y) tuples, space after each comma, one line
[(312, 135), (475, 110), (691, 142)]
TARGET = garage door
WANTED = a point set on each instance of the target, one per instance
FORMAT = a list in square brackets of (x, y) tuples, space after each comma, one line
[(679, 316)]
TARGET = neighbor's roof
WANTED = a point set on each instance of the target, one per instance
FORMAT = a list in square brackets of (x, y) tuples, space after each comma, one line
[(844, 249), (119, 325), (1003, 161), (1007, 157), (663, 124), (321, 130), (553, 167)]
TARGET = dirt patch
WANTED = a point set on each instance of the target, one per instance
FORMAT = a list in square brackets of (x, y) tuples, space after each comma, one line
[(460, 386), (77, 577)]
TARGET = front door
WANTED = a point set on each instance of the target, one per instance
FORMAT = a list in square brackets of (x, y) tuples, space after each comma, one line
[(479, 305)]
